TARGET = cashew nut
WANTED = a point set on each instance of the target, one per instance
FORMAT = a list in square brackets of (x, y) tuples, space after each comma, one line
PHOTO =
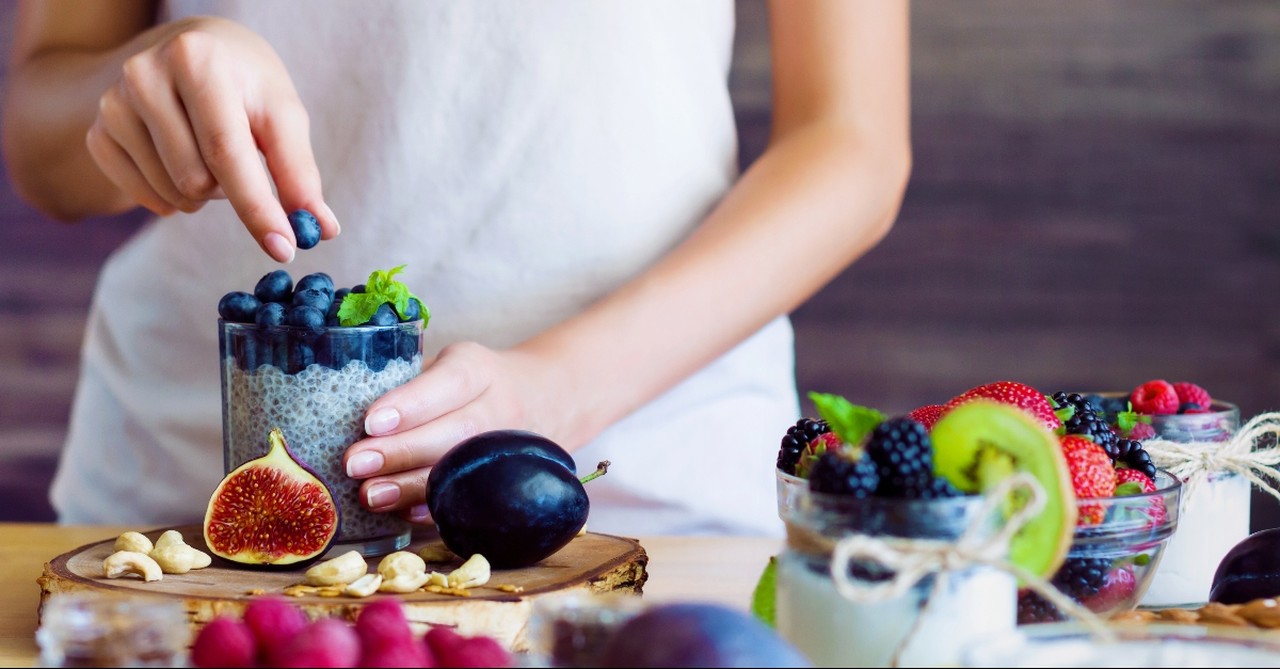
[(136, 542), (123, 563), (473, 573), (364, 586), (402, 571), (175, 556), (344, 569), (436, 552), (436, 578)]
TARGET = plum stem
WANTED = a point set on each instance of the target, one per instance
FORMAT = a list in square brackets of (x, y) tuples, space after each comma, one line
[(602, 468)]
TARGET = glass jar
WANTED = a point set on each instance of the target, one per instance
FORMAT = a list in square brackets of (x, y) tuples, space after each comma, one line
[(922, 627), (316, 385), (1214, 515), (87, 629)]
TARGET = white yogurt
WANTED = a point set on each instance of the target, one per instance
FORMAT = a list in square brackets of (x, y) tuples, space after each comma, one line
[(1214, 518), (835, 632)]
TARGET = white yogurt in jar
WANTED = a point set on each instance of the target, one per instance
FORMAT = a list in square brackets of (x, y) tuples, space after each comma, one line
[(1214, 518), (835, 632)]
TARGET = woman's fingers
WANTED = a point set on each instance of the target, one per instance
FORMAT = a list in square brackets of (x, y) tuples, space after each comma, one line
[(460, 374), (132, 135), (284, 136), (122, 171), (151, 96)]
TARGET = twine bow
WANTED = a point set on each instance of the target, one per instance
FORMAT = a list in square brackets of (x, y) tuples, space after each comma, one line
[(1193, 462), (912, 560)]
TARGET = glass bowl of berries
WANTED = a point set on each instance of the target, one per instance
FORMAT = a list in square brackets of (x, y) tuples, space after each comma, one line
[(1117, 546)]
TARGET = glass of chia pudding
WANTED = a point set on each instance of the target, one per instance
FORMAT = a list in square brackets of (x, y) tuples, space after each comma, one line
[(315, 385), (921, 627)]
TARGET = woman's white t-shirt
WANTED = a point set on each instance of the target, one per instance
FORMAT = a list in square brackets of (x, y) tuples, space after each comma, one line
[(522, 159)]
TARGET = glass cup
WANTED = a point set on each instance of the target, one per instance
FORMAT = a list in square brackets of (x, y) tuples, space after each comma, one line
[(1215, 513), (89, 629), (315, 385), (922, 627)]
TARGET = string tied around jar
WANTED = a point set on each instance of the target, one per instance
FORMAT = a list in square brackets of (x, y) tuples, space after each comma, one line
[(913, 560), (1192, 462)]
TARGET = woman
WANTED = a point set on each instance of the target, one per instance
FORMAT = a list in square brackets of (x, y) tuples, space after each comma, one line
[(559, 178)]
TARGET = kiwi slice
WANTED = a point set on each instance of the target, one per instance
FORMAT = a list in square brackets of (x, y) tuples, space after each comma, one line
[(980, 443)]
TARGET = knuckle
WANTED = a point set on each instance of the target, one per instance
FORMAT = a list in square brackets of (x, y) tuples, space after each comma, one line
[(195, 184), (218, 146), (189, 49)]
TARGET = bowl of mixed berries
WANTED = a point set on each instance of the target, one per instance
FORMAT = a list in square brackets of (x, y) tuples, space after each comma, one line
[(1125, 509)]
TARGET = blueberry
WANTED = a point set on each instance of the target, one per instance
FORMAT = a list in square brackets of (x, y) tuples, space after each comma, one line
[(301, 356), (305, 316), (274, 287), (318, 280), (238, 307), (313, 297), (385, 315), (359, 288), (413, 312), (270, 314), (305, 228)]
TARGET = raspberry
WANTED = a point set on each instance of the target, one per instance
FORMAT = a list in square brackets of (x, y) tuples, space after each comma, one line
[(326, 642), (1117, 588), (382, 622), (903, 457), (454, 650), (1190, 393), (1013, 393), (1156, 397), (837, 473), (403, 653), (225, 642), (274, 623), (1141, 431), (927, 415), (1131, 454), (1092, 475), (1157, 512)]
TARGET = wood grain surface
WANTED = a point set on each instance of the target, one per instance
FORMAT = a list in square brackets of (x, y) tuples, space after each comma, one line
[(591, 564)]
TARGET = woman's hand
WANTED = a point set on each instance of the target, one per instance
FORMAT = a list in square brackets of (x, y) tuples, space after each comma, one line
[(106, 112), (467, 389)]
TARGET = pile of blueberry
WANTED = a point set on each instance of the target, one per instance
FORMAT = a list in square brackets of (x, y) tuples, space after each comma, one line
[(297, 326)]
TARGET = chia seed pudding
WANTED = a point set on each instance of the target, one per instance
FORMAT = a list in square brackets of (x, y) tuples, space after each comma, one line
[(316, 387)]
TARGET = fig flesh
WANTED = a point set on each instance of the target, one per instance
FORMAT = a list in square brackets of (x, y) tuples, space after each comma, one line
[(271, 511), (509, 495)]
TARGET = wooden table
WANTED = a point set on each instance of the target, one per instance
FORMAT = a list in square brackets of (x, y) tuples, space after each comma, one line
[(718, 569)]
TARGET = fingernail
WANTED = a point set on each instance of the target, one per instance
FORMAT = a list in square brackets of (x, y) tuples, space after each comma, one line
[(381, 421), (279, 247), (333, 218), (383, 494), (419, 514), (364, 463)]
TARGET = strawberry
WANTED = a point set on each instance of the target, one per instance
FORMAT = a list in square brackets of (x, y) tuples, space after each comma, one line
[(1157, 513), (827, 441), (1157, 397), (1015, 394), (1092, 475), (927, 415), (1190, 393), (1117, 588)]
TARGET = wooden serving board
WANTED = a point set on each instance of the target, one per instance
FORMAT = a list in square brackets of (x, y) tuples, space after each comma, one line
[(592, 564)]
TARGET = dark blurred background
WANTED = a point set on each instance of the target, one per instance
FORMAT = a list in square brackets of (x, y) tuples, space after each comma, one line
[(1094, 204)]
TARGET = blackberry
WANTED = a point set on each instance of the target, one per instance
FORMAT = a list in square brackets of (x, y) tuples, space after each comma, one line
[(1085, 420), (797, 437), (940, 488), (1130, 453), (838, 474), (1033, 608), (1082, 578), (903, 456)]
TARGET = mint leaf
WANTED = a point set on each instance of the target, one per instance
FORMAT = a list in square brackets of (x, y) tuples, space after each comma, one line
[(847, 420), (764, 599), (1128, 488), (382, 286)]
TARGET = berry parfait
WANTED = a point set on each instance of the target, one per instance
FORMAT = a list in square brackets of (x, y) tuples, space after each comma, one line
[(309, 359)]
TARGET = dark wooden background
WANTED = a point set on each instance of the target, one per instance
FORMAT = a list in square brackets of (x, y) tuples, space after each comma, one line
[(1094, 204)]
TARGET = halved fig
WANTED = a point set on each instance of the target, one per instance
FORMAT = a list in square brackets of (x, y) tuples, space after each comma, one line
[(271, 511)]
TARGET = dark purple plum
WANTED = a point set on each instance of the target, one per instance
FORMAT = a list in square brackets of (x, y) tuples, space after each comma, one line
[(238, 307), (695, 634), (1250, 570), (276, 286), (510, 495), (306, 229)]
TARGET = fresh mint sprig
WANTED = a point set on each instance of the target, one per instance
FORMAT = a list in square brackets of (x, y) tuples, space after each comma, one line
[(358, 308), (847, 420)]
